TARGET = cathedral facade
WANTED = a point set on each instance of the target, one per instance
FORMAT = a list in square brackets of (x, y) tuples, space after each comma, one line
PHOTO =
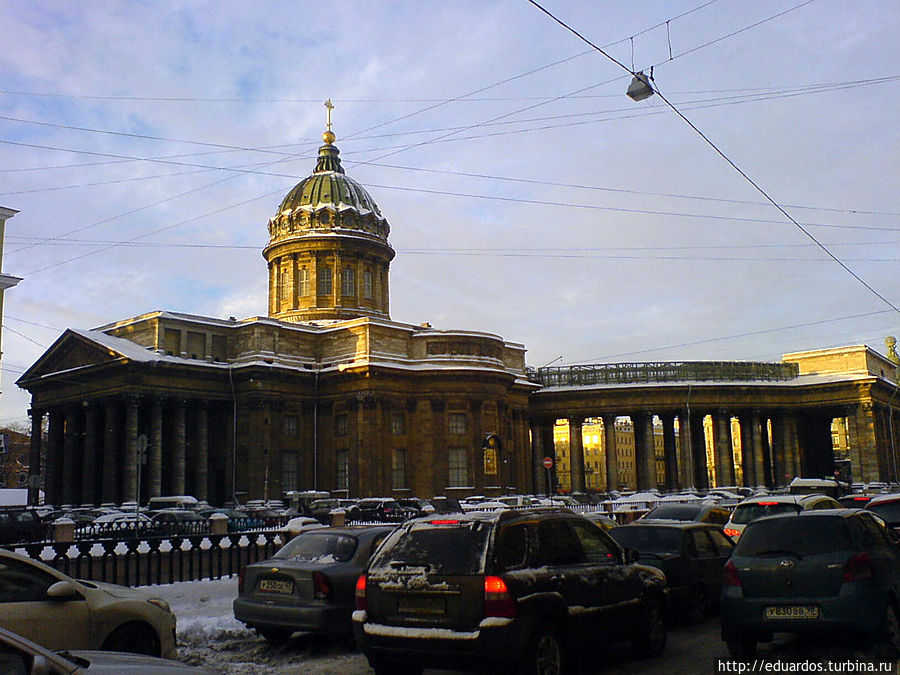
[(327, 392)]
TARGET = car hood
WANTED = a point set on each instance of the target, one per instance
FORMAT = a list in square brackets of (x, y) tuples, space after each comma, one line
[(116, 591), (119, 662)]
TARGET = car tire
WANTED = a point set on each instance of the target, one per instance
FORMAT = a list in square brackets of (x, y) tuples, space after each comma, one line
[(889, 635), (135, 638), (545, 654), (650, 640), (698, 606), (276, 636)]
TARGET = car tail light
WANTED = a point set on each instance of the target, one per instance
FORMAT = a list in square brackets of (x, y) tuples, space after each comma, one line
[(767, 503), (730, 576), (361, 593), (445, 522), (241, 575), (859, 567), (731, 532), (497, 600), (321, 586)]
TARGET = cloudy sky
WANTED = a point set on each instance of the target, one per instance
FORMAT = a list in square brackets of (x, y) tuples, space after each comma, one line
[(146, 144)]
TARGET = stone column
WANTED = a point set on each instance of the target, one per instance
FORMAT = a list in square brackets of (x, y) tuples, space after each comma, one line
[(53, 472), (759, 456), (71, 478), (109, 493), (698, 447), (202, 483), (686, 473), (671, 459), (777, 449), (179, 448), (611, 452), (576, 454), (724, 450), (644, 452), (537, 456), (747, 453), (34, 456), (89, 466), (155, 448), (129, 460)]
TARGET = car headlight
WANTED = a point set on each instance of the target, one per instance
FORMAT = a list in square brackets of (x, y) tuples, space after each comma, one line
[(162, 604)]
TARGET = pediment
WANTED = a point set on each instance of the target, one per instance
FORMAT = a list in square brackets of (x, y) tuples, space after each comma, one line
[(70, 351)]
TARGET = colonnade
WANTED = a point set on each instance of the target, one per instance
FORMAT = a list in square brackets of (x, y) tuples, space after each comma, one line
[(119, 449), (775, 446)]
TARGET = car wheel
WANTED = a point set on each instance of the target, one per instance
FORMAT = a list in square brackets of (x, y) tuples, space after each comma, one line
[(650, 641), (889, 642), (698, 606), (134, 638), (276, 636), (545, 654), (742, 648)]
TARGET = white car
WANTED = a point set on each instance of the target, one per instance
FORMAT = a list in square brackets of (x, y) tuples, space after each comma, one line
[(58, 612), (773, 505)]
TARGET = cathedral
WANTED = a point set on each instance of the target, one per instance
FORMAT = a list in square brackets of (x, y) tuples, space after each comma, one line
[(326, 392)]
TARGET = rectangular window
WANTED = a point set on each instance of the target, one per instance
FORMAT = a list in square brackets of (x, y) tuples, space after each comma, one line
[(342, 469), (456, 423), (285, 283), (288, 470), (368, 292), (172, 342), (303, 281), (348, 281), (196, 345), (291, 426), (220, 348), (341, 425), (398, 425), (398, 469), (324, 280), (458, 475)]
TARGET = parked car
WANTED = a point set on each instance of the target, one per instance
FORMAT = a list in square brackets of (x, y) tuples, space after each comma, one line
[(692, 556), (308, 584), (19, 656), (382, 510), (445, 504), (238, 521), (418, 507), (173, 502), (886, 507), (20, 524), (321, 509), (773, 505), (699, 513), (179, 521), (500, 591), (601, 519), (816, 571), (298, 525), (856, 500), (36, 602)]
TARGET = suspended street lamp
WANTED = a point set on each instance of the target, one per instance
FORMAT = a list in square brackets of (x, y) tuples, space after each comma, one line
[(640, 87)]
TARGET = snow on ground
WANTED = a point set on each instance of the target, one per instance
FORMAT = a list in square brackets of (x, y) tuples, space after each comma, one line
[(209, 635)]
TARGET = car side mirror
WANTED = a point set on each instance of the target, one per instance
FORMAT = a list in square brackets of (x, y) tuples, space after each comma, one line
[(63, 590), (632, 555)]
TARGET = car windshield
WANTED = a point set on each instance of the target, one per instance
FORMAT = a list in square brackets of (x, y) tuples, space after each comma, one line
[(319, 547), (798, 536), (889, 512), (648, 539), (451, 548), (744, 513)]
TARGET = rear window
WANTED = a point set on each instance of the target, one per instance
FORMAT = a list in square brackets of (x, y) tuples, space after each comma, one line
[(451, 549), (798, 536), (674, 512), (648, 539), (744, 513), (889, 512), (321, 548)]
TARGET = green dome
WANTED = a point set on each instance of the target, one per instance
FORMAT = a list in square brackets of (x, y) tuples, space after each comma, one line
[(329, 187)]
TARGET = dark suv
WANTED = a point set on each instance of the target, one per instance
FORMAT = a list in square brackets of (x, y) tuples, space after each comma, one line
[(20, 524), (506, 590)]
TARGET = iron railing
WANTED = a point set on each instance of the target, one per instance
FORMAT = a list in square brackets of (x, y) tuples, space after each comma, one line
[(679, 371)]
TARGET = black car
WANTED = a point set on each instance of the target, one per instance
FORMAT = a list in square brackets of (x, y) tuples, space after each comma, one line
[(382, 510), (309, 584), (698, 513), (506, 590), (692, 556), (20, 524), (835, 570)]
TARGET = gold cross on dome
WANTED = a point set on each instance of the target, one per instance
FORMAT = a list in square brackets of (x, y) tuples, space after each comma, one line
[(330, 106)]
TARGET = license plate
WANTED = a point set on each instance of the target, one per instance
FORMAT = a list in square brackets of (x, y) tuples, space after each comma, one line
[(276, 586), (792, 612), (421, 604)]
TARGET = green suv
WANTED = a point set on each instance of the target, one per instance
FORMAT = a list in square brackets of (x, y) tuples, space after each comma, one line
[(507, 590)]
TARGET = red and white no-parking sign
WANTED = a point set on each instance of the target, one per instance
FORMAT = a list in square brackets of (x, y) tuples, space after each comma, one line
[(548, 462)]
